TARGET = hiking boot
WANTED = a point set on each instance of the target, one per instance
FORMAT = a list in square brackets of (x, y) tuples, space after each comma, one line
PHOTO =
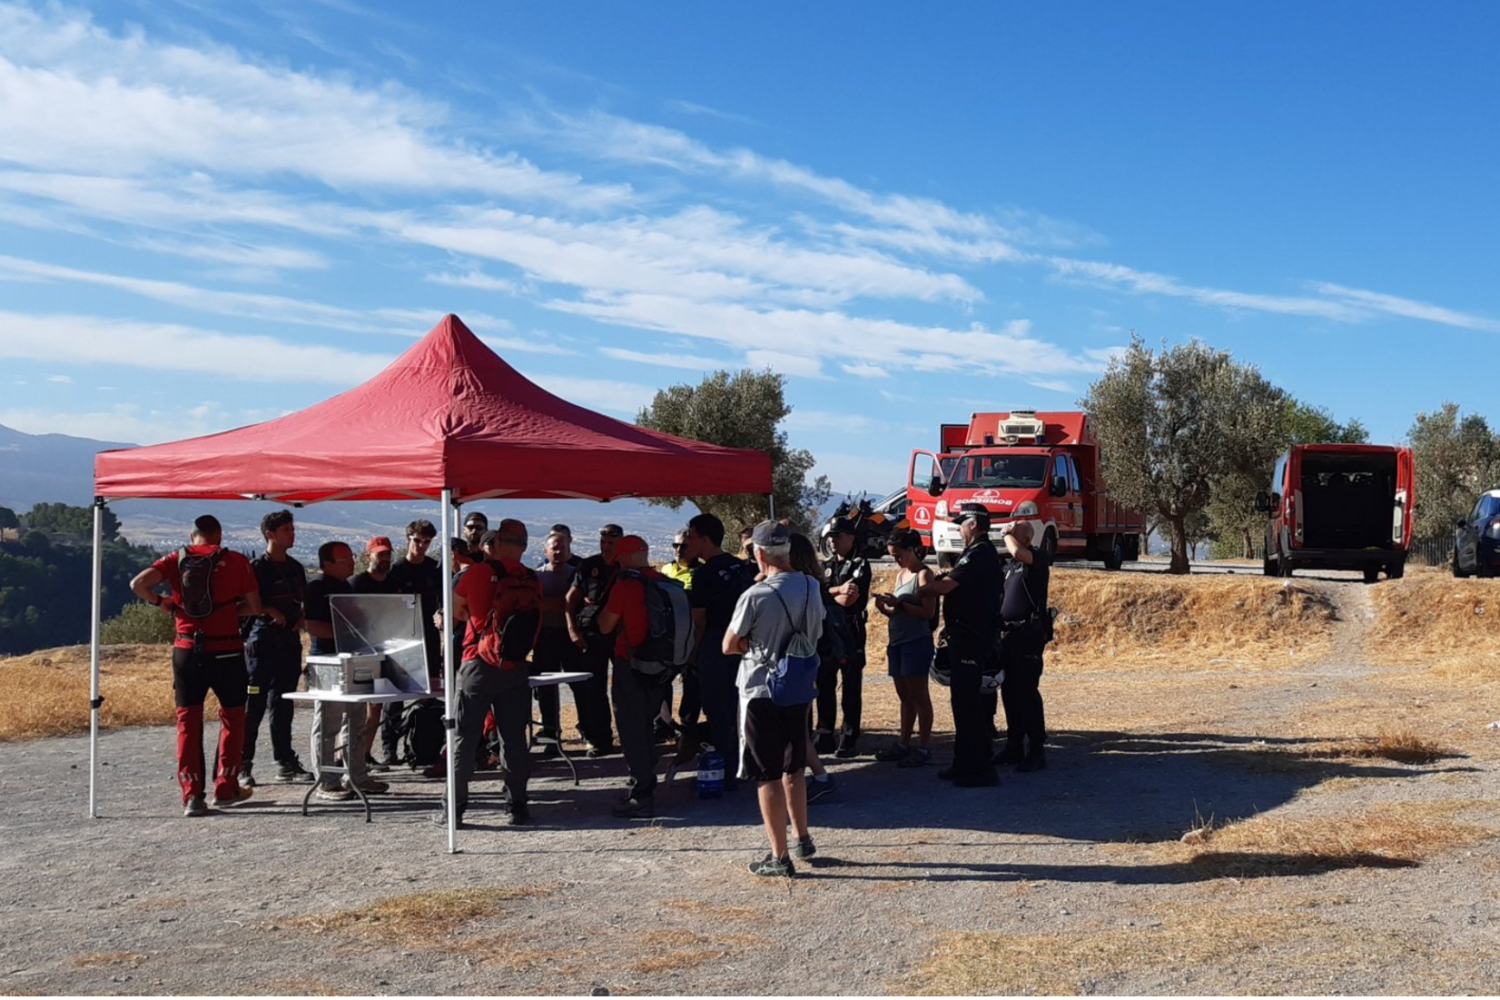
[(242, 794), (847, 748), (607, 750), (819, 789), (520, 814), (379, 767), (288, 771), (1012, 754), (976, 780), (370, 786), (195, 807), (333, 793), (247, 775), (438, 770), (825, 743), (919, 757), (635, 807), (772, 867), (804, 848), (1033, 762), (896, 751)]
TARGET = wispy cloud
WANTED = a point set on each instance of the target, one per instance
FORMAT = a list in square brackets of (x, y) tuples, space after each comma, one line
[(686, 361), (1392, 305)]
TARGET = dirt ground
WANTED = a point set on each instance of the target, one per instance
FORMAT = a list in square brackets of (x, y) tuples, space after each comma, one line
[(1340, 804)]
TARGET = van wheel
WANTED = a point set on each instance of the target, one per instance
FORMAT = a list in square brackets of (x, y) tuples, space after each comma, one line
[(1115, 557), (1372, 574), (1396, 570), (1458, 573)]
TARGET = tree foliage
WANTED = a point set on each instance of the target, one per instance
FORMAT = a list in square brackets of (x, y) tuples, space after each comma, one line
[(741, 410), (137, 622), (45, 578), (1172, 426), (1457, 457)]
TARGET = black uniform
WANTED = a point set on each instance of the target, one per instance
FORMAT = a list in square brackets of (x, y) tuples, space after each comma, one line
[(970, 620), (591, 697), (1021, 645), (717, 586), (273, 654), (851, 667), (425, 580)]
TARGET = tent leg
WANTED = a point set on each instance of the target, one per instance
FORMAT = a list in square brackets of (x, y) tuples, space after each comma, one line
[(771, 505), (94, 700), (450, 719)]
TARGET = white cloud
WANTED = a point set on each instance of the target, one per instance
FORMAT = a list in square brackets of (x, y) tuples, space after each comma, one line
[(475, 279), (94, 340), (787, 364), (60, 379), (1392, 305), (125, 422), (850, 423), (866, 371), (876, 474), (627, 398), (686, 361)]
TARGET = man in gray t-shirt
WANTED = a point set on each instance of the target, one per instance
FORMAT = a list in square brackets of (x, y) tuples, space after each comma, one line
[(775, 737)]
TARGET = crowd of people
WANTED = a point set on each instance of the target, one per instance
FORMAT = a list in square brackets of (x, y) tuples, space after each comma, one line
[(757, 616)]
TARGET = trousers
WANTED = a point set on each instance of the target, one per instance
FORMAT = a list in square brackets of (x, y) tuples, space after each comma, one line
[(637, 700), (1020, 692), (195, 672), (481, 690), (973, 707), (273, 657), (720, 696), (851, 671), (592, 696)]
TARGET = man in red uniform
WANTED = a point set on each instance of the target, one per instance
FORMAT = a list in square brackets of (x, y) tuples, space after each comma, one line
[(501, 600), (637, 696), (208, 653)]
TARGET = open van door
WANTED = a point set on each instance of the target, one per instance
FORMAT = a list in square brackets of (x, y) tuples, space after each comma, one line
[(923, 485), (1406, 481)]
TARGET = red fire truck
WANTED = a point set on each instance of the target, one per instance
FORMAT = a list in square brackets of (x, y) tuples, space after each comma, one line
[(1023, 466)]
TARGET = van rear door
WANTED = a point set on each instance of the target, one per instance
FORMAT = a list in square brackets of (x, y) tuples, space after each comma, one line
[(1405, 499)]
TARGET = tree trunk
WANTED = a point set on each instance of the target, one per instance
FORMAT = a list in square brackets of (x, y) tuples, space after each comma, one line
[(1179, 562), (1249, 544)]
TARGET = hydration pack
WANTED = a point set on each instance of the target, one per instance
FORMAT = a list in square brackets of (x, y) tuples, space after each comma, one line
[(196, 574), (510, 641), (669, 627)]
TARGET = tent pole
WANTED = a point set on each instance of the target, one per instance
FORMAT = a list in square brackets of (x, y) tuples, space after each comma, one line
[(94, 700), (450, 721), (771, 505)]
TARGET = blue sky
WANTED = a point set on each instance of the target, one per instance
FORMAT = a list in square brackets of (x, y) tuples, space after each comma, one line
[(214, 213)]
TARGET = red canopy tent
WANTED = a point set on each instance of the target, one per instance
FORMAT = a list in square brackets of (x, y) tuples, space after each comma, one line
[(448, 420), (447, 414)]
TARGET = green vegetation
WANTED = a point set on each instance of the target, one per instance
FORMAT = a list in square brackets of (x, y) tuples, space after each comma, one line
[(45, 575), (137, 622), (1457, 458), (741, 411)]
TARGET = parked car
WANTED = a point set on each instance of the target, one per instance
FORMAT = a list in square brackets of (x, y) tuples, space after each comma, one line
[(1476, 543)]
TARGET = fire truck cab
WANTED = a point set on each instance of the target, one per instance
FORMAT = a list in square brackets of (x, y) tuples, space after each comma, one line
[(1023, 466)]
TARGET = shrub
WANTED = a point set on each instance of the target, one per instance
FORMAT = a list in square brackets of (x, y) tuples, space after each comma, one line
[(137, 622)]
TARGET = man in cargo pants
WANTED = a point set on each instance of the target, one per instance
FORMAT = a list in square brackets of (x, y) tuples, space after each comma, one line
[(273, 652)]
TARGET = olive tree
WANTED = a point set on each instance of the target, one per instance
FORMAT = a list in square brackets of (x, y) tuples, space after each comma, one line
[(1457, 458), (1172, 425), (741, 410)]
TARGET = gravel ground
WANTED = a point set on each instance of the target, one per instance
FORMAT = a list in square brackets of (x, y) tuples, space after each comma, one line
[(144, 901)]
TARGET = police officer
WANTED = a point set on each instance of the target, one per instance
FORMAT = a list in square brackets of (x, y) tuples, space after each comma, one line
[(1023, 635), (970, 593), (848, 578)]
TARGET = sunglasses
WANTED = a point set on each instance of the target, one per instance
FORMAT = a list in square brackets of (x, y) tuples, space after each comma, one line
[(679, 545)]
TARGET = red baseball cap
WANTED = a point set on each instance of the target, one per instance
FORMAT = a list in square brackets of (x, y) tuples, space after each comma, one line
[(379, 543), (629, 545)]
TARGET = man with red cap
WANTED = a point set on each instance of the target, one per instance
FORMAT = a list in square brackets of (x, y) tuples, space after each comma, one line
[(637, 696), (208, 653)]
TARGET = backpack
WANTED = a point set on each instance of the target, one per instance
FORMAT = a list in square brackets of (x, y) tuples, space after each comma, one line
[(669, 628), (510, 641), (196, 575), (793, 678), (422, 733)]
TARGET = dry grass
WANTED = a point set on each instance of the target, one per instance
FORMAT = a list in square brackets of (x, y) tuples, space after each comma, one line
[(46, 693), (679, 949), (1403, 746), (1258, 952), (1396, 834), (128, 959), (420, 916), (1118, 622), (1429, 621)]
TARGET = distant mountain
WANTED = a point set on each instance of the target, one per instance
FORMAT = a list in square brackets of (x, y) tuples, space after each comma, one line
[(53, 468)]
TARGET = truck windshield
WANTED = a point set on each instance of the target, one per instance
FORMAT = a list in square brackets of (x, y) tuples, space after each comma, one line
[(1000, 472)]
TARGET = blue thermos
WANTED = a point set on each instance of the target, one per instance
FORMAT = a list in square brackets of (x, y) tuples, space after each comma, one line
[(710, 773)]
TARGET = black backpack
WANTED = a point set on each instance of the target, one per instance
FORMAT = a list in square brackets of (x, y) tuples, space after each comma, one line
[(669, 627), (196, 573), (422, 733)]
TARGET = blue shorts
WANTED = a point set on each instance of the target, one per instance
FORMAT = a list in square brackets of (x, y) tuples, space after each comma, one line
[(910, 659)]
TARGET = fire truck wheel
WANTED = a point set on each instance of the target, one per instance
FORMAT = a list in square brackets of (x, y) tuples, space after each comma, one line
[(1049, 545), (1114, 557)]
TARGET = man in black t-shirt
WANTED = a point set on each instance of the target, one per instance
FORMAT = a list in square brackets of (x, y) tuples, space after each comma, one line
[(417, 573), (718, 582), (273, 651), (377, 578), (586, 598), (337, 562), (971, 601), (848, 577), (1027, 575)]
